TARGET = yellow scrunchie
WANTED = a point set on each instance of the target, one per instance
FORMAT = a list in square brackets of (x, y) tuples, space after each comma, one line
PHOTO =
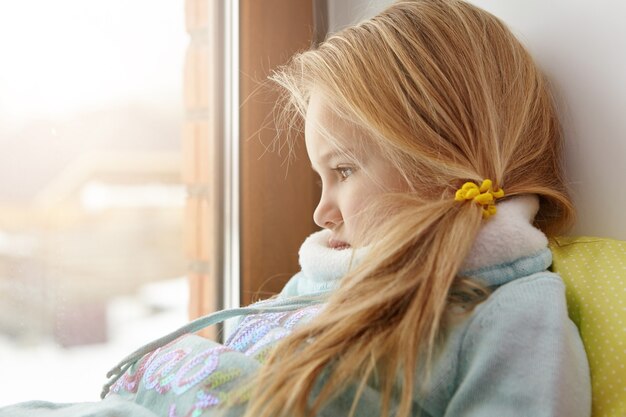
[(483, 195)]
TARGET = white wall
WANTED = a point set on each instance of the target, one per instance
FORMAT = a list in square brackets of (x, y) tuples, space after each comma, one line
[(342, 13), (581, 46)]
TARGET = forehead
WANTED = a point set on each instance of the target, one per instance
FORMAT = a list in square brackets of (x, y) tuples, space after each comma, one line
[(324, 128), (320, 119)]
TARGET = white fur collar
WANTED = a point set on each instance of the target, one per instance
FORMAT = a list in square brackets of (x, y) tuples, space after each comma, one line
[(508, 235), (321, 263), (505, 237)]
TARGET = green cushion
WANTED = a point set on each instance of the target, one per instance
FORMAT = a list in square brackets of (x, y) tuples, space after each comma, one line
[(594, 272)]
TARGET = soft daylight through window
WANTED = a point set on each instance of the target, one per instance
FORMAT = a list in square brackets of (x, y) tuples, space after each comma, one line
[(91, 200)]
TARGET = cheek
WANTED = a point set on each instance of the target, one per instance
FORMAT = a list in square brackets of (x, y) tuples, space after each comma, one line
[(355, 212), (355, 204)]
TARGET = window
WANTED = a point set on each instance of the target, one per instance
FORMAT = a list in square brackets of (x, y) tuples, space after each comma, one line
[(91, 199)]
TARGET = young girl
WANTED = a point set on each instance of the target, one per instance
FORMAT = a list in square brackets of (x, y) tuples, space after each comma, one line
[(426, 292)]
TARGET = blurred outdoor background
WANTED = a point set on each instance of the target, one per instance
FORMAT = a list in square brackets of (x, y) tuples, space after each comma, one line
[(91, 200)]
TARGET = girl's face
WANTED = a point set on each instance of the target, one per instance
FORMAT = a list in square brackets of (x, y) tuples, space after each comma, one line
[(347, 185)]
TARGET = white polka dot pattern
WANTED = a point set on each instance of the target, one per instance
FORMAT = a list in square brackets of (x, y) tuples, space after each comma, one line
[(594, 272)]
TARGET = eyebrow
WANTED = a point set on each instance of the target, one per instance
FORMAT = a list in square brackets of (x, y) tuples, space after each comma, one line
[(330, 155)]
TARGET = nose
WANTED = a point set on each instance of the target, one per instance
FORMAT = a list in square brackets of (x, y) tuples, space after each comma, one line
[(327, 213)]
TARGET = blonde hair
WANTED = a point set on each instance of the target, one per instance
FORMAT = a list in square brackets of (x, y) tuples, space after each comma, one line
[(449, 95)]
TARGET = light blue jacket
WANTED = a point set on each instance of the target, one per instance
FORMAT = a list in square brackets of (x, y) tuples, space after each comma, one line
[(518, 354)]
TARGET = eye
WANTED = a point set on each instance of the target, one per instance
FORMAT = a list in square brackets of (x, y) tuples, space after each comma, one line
[(344, 172)]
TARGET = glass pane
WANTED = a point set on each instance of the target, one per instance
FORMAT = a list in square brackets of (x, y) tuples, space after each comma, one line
[(91, 201)]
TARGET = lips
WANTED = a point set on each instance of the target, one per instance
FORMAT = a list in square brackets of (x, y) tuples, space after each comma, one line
[(337, 244)]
